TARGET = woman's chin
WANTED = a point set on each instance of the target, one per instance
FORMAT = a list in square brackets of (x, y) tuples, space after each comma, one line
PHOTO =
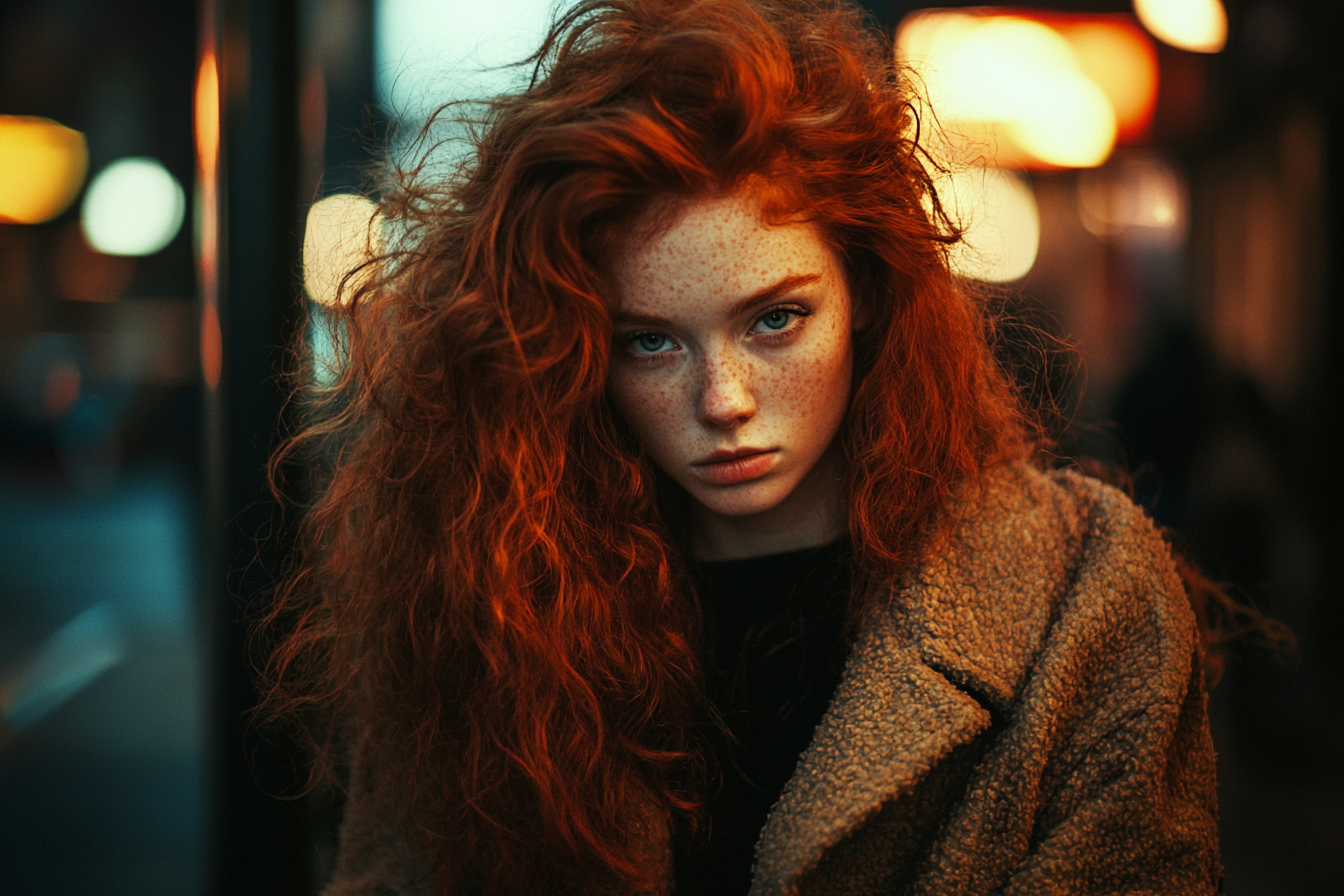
[(742, 500)]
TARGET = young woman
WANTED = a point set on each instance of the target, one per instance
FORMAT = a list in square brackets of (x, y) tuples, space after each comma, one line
[(680, 532)]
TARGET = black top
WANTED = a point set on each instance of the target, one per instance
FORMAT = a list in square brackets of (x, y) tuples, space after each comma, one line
[(774, 649)]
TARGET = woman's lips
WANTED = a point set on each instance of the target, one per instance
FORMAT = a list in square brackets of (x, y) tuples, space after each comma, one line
[(742, 468)]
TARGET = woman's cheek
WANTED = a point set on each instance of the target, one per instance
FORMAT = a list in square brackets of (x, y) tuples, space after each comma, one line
[(808, 384), (647, 407), (625, 396)]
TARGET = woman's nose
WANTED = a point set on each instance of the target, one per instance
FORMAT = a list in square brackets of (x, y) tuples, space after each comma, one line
[(726, 399)]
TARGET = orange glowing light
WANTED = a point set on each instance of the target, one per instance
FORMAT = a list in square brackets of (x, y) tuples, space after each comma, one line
[(207, 116), (42, 167), (212, 346), (1199, 26), (207, 235), (1033, 89), (1120, 59), (207, 121)]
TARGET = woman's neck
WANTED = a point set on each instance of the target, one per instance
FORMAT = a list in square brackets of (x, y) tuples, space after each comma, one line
[(813, 514)]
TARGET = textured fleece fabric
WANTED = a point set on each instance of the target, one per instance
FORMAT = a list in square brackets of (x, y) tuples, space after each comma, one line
[(1025, 716)]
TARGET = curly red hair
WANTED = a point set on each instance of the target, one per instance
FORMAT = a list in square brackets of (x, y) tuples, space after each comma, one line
[(488, 587)]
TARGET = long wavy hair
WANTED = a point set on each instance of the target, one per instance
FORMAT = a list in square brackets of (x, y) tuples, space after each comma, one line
[(489, 584)]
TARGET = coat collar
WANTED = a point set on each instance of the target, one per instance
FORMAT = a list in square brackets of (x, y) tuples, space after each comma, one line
[(929, 671)]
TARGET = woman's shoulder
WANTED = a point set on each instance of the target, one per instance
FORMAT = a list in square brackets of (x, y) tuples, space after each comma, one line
[(1018, 500), (1046, 641), (1079, 538), (1037, 558), (1119, 563)]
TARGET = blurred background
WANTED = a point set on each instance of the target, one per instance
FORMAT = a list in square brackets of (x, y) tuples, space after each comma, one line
[(1152, 198)]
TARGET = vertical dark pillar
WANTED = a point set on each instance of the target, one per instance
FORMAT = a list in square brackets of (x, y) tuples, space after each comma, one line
[(355, 129), (260, 843), (1328, 434)]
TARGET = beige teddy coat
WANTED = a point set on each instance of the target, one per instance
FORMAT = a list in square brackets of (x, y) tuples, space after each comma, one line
[(1025, 716)]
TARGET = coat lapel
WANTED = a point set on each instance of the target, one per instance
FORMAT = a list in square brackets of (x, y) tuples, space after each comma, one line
[(981, 611), (892, 718), (969, 622)]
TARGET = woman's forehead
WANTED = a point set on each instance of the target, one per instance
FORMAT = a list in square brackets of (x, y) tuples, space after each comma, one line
[(716, 250)]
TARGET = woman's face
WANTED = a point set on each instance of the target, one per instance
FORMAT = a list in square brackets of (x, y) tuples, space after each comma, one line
[(732, 355)]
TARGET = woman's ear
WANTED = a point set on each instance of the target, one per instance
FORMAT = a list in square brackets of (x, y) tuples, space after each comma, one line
[(860, 296), (860, 314)]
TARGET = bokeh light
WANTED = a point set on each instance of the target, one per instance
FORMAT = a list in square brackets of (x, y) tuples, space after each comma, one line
[(205, 116), (1141, 197), (1199, 26), (1055, 92), (1116, 55), (1001, 224), (42, 167), (205, 111), (343, 231), (133, 207)]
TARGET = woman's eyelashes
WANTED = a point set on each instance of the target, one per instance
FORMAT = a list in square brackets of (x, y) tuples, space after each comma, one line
[(647, 345), (778, 324)]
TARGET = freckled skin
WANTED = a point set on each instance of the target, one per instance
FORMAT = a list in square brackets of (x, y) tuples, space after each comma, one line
[(773, 376)]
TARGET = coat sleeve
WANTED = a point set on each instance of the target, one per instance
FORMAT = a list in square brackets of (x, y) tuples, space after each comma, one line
[(1125, 800), (374, 858)]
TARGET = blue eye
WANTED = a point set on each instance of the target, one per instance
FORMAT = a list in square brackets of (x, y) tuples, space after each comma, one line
[(776, 320), (652, 342)]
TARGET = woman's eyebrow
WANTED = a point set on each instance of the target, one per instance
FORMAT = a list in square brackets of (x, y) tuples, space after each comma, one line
[(759, 297), (772, 292), (647, 320)]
